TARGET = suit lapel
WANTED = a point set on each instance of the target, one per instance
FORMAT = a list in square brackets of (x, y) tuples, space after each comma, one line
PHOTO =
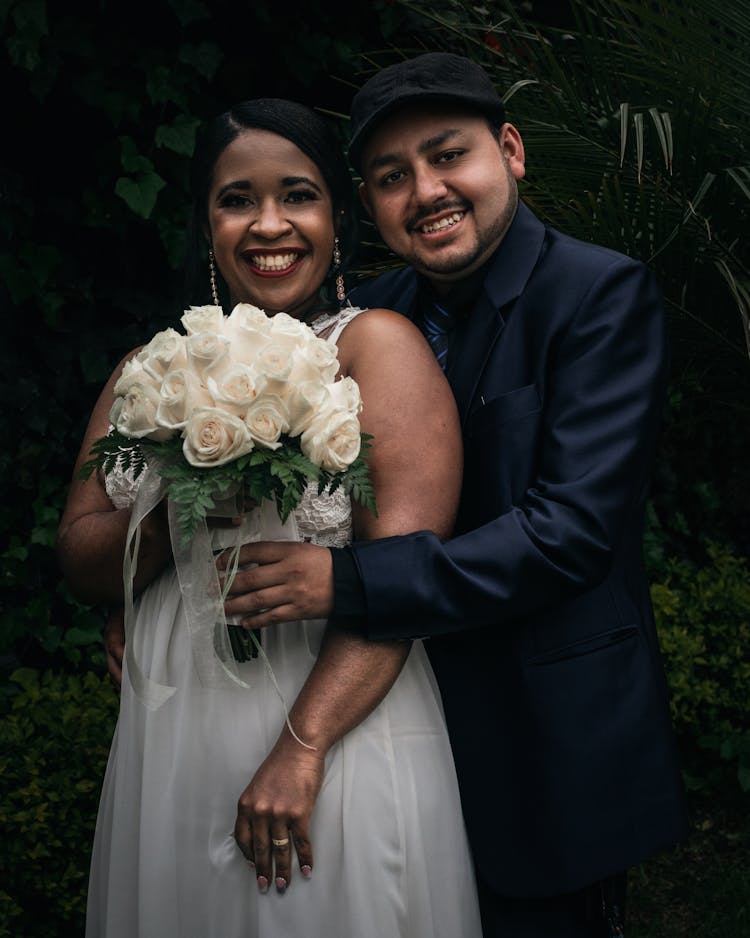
[(514, 261)]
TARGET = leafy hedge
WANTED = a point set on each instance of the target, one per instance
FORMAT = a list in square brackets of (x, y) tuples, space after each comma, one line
[(54, 738), (703, 617)]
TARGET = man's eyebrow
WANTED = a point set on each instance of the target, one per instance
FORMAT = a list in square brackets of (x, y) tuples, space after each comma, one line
[(385, 159)]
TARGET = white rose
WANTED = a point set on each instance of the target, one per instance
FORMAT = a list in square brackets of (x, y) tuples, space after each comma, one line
[(282, 324), (203, 319), (266, 420), (134, 413), (345, 394), (305, 401), (235, 387), (181, 393), (248, 330), (324, 354), (165, 352), (205, 350), (133, 373), (275, 362), (314, 360), (214, 437), (332, 440)]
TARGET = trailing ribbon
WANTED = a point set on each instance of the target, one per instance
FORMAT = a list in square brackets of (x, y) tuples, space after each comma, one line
[(151, 489), (202, 594)]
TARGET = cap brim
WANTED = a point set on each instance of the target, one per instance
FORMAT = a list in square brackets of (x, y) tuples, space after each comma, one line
[(359, 140)]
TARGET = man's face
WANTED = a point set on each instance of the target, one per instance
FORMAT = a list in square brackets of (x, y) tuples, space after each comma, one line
[(441, 188)]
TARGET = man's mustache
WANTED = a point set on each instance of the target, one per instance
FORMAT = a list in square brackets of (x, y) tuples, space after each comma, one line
[(424, 212)]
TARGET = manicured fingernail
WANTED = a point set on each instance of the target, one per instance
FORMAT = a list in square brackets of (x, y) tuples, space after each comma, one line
[(280, 883), (306, 871), (262, 884)]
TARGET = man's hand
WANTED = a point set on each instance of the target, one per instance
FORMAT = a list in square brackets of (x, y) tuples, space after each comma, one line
[(292, 581), (114, 645), (273, 813)]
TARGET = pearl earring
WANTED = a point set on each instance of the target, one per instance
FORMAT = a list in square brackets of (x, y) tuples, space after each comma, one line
[(340, 286), (212, 276)]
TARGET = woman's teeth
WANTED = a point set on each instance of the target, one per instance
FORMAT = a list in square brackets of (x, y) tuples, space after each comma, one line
[(273, 261)]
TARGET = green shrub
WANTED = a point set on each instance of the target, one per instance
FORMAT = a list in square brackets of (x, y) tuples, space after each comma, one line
[(703, 617), (54, 738)]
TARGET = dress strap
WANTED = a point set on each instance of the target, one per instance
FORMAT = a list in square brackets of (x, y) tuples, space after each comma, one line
[(331, 326)]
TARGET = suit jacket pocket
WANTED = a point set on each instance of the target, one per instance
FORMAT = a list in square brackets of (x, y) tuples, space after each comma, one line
[(521, 402), (500, 452), (585, 646)]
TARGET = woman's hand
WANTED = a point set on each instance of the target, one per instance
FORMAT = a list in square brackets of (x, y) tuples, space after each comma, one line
[(415, 465), (273, 813)]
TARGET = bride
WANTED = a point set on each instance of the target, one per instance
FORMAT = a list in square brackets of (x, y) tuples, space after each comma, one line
[(214, 819)]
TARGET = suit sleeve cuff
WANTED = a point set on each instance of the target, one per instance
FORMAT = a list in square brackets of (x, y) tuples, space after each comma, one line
[(349, 604)]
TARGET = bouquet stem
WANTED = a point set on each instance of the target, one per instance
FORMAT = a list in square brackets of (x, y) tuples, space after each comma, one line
[(244, 642)]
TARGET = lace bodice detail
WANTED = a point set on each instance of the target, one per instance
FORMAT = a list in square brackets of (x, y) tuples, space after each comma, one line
[(321, 519)]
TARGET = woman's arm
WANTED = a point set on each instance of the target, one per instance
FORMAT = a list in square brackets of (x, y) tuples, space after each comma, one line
[(92, 533), (415, 466)]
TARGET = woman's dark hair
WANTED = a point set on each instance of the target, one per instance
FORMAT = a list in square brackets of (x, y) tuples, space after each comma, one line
[(306, 130)]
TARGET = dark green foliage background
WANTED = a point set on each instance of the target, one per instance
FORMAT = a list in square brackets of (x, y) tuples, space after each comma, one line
[(101, 104), (105, 100)]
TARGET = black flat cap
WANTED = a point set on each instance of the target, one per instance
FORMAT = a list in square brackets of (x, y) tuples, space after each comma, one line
[(435, 76)]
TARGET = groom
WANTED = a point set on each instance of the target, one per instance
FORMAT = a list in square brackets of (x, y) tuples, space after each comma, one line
[(541, 630)]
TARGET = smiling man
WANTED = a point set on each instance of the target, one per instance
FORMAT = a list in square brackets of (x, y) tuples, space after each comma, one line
[(537, 610), (442, 201)]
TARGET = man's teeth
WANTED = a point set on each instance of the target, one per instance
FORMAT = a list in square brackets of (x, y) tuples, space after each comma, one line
[(447, 222), (273, 261)]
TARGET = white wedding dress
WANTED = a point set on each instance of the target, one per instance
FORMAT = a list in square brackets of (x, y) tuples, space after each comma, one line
[(390, 852)]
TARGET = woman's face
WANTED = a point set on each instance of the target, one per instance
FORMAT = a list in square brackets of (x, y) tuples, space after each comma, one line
[(271, 223)]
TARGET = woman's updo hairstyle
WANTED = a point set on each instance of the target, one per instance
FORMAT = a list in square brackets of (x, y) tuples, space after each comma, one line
[(306, 130)]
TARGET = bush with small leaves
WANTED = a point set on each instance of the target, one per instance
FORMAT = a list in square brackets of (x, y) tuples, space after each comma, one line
[(54, 739)]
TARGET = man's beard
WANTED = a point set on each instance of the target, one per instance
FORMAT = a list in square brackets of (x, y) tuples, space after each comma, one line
[(486, 242)]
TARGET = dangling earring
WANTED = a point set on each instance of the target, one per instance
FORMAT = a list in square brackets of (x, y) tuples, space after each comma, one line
[(212, 275), (340, 286)]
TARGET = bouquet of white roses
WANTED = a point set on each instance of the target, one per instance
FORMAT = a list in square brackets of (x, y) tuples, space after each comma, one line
[(242, 401)]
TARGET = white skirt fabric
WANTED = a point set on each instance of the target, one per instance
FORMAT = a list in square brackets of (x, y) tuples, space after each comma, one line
[(390, 852)]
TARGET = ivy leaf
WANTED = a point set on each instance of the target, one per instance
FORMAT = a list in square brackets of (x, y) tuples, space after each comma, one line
[(167, 86), (132, 161), (189, 11), (140, 194), (30, 20), (178, 136), (206, 57)]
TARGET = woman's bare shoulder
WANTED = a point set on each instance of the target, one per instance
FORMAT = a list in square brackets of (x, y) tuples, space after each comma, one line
[(378, 330)]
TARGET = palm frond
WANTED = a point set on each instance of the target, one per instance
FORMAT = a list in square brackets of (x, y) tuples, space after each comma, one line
[(637, 129)]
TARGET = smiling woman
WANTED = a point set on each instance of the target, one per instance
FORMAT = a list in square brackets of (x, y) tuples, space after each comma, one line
[(210, 799), (271, 223)]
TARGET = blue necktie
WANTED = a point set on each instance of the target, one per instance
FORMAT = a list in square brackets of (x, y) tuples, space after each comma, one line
[(437, 324)]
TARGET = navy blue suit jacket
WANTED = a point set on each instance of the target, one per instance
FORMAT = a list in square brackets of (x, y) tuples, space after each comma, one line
[(541, 630)]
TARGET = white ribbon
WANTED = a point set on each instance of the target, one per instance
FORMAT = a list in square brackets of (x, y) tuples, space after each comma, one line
[(150, 492), (202, 595)]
